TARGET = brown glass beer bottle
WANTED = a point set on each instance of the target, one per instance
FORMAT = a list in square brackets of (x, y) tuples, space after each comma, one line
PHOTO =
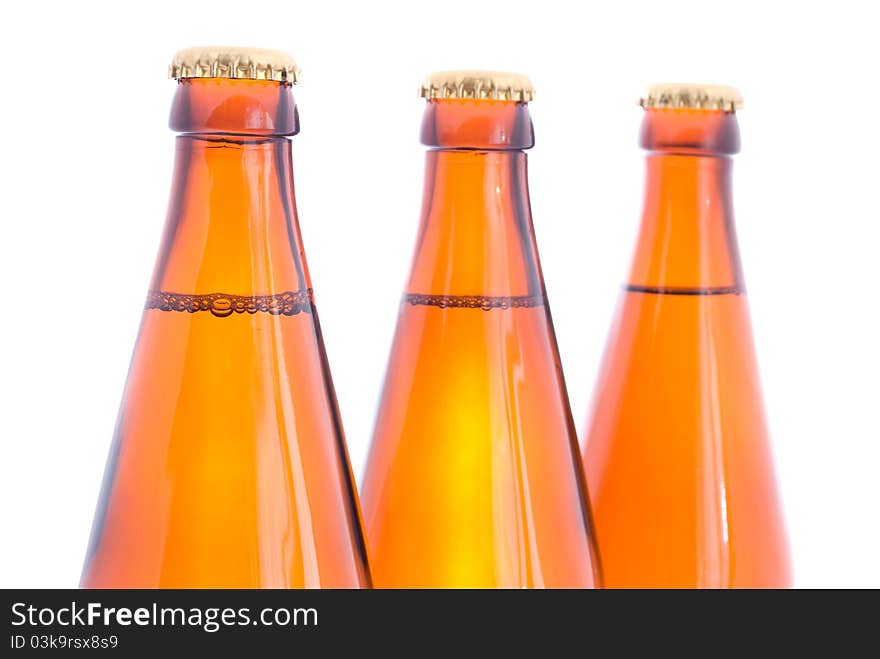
[(229, 466), (677, 453), (474, 475)]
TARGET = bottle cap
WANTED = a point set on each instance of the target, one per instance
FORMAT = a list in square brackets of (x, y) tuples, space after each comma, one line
[(237, 63), (480, 85), (690, 95)]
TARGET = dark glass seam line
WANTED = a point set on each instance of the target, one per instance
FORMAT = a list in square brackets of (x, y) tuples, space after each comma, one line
[(235, 139), (484, 302), (287, 303), (685, 290)]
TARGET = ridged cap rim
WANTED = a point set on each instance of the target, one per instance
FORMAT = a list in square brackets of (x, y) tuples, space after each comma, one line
[(234, 63), (693, 96), (478, 85)]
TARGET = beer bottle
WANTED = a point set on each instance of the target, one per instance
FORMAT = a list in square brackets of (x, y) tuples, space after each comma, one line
[(229, 466), (677, 453), (474, 476)]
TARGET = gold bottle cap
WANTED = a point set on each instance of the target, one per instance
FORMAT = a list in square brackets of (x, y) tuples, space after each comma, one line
[(488, 85), (696, 96), (231, 62)]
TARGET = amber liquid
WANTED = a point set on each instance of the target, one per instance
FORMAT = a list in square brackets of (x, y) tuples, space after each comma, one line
[(677, 455), (229, 466), (473, 479)]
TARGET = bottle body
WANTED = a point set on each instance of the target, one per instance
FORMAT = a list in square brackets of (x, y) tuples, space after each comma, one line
[(473, 477), (229, 467), (677, 452)]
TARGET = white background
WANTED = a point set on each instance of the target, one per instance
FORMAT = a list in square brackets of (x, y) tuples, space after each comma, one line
[(86, 165)]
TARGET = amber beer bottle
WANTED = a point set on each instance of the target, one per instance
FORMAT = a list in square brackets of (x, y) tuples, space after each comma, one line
[(677, 454), (229, 466), (474, 476)]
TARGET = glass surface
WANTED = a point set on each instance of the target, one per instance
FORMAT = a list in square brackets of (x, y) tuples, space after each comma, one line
[(474, 476), (229, 466), (677, 454)]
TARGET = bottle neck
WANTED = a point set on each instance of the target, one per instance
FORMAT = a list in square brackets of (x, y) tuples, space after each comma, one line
[(234, 107), (687, 241), (476, 239), (232, 227)]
